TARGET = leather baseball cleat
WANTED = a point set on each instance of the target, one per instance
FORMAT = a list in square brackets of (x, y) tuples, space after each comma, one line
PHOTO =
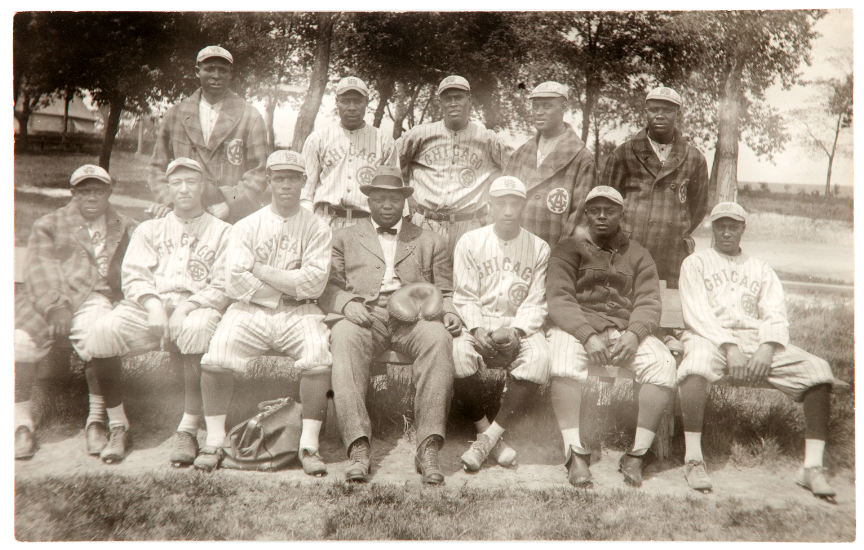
[(426, 462), (813, 479), (476, 455), (631, 467), (97, 438), (503, 454), (697, 476), (185, 450), (578, 473), (25, 443), (118, 443), (358, 469), (208, 458), (312, 463)]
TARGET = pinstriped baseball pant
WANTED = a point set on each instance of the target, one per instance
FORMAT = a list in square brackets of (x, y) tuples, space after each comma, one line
[(793, 370), (449, 230), (531, 363), (652, 364)]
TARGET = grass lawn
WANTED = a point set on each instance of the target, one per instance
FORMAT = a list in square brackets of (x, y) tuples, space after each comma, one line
[(817, 208), (180, 505), (53, 170)]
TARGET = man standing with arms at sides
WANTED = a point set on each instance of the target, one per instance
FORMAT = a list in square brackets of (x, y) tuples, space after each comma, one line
[(277, 260), (342, 158), (664, 181), (736, 322), (604, 298), (449, 164), (499, 288), (557, 168), (370, 262), (222, 133)]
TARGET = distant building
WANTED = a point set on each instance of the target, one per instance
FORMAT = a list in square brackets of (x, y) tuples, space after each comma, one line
[(49, 119)]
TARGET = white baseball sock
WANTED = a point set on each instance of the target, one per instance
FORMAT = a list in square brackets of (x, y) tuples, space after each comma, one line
[(117, 417), (309, 435), (22, 415), (814, 449), (189, 423), (97, 410), (573, 439), (481, 425), (644, 439), (693, 446), (215, 430), (494, 433)]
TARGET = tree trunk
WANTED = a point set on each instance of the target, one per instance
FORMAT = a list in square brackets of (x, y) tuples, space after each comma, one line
[(23, 118), (587, 111), (385, 92), (728, 133), (269, 116), (115, 110), (66, 101), (596, 144), (140, 149), (831, 155), (317, 82)]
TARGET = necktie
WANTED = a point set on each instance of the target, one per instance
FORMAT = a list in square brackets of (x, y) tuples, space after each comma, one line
[(389, 230)]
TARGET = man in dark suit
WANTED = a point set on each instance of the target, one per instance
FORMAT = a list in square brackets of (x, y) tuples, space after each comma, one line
[(370, 261)]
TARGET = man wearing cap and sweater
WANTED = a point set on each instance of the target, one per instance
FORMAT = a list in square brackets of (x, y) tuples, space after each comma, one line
[(220, 131), (499, 275), (173, 289), (341, 158), (71, 277), (736, 323), (664, 181), (557, 168), (450, 164), (371, 260), (604, 301), (276, 267)]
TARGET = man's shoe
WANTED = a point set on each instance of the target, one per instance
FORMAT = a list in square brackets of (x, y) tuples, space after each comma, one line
[(697, 476), (312, 463), (208, 458), (476, 455), (426, 462), (25, 443), (578, 473), (503, 454), (631, 467), (185, 450), (97, 438), (115, 451), (358, 469), (813, 479)]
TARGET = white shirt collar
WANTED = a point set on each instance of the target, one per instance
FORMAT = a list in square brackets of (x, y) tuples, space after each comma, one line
[(397, 227)]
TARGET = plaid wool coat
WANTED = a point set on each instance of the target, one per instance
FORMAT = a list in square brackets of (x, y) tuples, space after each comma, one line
[(663, 203), (61, 268), (556, 188), (233, 160)]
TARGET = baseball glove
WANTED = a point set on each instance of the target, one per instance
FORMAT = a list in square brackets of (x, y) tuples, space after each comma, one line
[(506, 343), (416, 301)]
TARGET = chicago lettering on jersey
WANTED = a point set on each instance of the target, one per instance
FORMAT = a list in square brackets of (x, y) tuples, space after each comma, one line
[(283, 242), (723, 277), (334, 155), (193, 243), (462, 156), (492, 266)]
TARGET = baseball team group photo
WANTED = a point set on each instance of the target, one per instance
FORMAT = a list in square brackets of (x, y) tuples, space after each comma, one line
[(580, 275)]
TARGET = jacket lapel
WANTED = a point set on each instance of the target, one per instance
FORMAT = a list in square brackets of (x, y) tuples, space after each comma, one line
[(565, 150), (190, 118), (114, 232), (406, 241), (79, 230), (368, 239), (229, 118), (676, 156), (645, 154)]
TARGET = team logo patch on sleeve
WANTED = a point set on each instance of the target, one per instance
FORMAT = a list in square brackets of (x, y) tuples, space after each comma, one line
[(517, 293), (198, 270), (234, 151), (557, 200), (682, 192), (365, 174), (467, 177)]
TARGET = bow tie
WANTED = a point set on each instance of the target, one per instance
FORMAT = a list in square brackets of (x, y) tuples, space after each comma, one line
[(388, 230)]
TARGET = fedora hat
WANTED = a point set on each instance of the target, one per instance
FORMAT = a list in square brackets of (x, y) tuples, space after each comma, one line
[(389, 178)]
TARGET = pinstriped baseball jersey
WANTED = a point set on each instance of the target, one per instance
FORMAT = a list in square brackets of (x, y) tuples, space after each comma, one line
[(500, 283), (339, 161), (296, 247), (449, 170), (174, 256), (733, 299)]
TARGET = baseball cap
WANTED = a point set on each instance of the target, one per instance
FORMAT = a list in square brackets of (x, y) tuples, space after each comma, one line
[(454, 81), (89, 172), (507, 185), (664, 94), (284, 159), (214, 51), (606, 192), (550, 89), (387, 177), (728, 209), (183, 162), (352, 83)]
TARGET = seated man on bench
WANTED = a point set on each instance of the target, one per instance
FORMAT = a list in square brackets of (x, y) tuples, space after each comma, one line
[(370, 261), (735, 317), (604, 301)]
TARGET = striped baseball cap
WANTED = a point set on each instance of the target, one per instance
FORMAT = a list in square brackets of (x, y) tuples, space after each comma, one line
[(214, 51), (284, 159), (183, 162), (663, 93), (350, 83), (728, 209), (605, 192), (89, 172), (454, 81), (507, 185), (549, 89)]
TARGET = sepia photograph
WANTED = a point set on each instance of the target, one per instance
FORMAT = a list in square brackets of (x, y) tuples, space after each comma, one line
[(433, 275)]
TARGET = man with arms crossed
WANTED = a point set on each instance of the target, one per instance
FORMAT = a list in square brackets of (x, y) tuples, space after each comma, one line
[(372, 260)]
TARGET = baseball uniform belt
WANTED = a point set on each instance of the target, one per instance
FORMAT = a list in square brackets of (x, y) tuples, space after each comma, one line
[(444, 215), (343, 212), (288, 301)]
